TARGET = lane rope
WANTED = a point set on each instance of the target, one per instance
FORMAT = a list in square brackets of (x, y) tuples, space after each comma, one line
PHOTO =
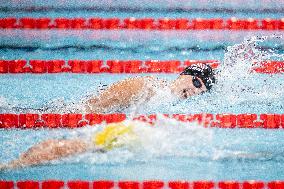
[(226, 120), (147, 184), (118, 66), (143, 23)]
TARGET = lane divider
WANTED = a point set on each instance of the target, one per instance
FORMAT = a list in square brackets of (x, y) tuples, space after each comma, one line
[(143, 23), (147, 184), (30, 121), (117, 66)]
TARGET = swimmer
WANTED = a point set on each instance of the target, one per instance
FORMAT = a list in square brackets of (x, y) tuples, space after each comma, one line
[(114, 135), (194, 80)]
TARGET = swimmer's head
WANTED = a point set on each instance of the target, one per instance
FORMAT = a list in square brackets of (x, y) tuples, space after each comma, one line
[(194, 80), (202, 71)]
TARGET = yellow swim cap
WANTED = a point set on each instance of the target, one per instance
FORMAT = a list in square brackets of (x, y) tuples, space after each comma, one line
[(115, 135)]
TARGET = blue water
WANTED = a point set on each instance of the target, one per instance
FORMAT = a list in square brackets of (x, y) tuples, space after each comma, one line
[(126, 45), (217, 158), (187, 152)]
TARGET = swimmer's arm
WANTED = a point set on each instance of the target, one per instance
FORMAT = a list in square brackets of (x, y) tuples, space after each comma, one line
[(118, 95), (49, 150)]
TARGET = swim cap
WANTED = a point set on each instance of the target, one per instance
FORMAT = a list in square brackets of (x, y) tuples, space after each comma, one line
[(115, 135), (203, 71)]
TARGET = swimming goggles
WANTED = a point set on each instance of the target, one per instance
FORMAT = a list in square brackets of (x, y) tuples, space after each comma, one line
[(196, 82)]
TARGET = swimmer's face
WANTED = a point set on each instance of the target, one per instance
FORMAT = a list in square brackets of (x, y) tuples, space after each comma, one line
[(186, 85)]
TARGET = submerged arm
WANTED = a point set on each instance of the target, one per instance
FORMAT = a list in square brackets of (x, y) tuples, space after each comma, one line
[(49, 150)]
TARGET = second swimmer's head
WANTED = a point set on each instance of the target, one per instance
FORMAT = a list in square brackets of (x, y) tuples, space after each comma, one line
[(194, 80)]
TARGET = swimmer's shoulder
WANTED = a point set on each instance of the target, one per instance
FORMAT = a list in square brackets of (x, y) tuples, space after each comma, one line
[(155, 82), (130, 83), (148, 82), (142, 78), (135, 83)]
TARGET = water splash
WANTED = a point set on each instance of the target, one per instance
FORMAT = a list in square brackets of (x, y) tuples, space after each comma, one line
[(240, 59), (239, 89), (166, 138), (237, 83), (169, 138)]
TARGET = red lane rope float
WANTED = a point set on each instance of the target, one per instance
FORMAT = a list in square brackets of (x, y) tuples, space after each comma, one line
[(30, 121), (148, 184), (142, 23), (117, 66)]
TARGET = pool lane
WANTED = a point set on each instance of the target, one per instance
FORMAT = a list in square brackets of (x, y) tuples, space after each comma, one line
[(240, 154), (259, 93), (125, 44)]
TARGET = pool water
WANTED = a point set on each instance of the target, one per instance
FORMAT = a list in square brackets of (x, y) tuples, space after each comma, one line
[(173, 150)]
